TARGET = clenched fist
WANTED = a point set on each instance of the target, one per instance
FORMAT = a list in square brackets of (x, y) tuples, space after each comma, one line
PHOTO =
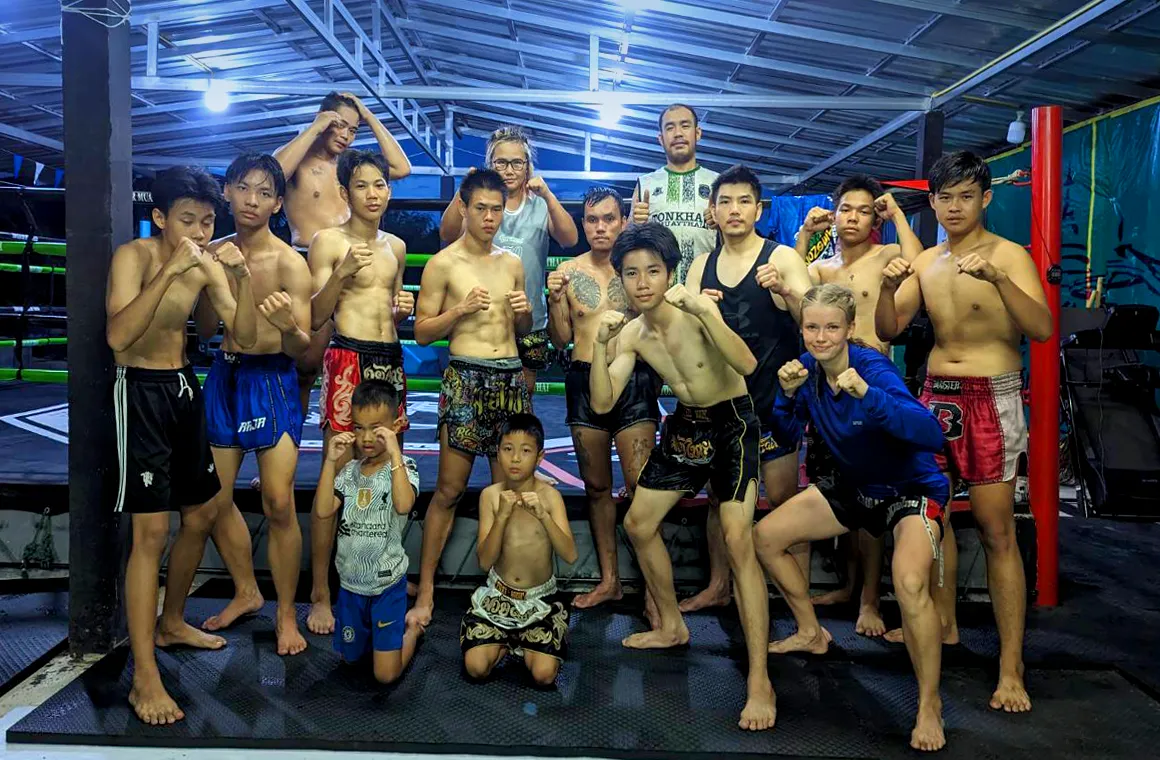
[(894, 273), (388, 438), (507, 501), (232, 259), (640, 210), (557, 284), (276, 309), (712, 294), (404, 304), (710, 218), (611, 323), (358, 257), (791, 376), (979, 268), (679, 296), (886, 207), (530, 501), (817, 220), (537, 186), (769, 278), (338, 446), (519, 302), (185, 257), (851, 382), (477, 300)]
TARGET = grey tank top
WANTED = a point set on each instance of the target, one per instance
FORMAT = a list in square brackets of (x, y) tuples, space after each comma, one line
[(524, 232)]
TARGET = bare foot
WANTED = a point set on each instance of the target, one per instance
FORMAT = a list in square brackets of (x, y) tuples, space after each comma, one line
[(760, 709), (870, 622), (1011, 695), (238, 607), (420, 614), (950, 636), (817, 642), (928, 733), (837, 596), (658, 639), (604, 592), (710, 597), (651, 613), (153, 704), (320, 621), (290, 641), (184, 634)]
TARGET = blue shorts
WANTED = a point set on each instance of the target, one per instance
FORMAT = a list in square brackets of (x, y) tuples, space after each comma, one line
[(251, 400), (366, 623)]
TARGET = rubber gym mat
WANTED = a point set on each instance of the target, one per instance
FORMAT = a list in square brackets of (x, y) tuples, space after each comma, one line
[(608, 701), (33, 628)]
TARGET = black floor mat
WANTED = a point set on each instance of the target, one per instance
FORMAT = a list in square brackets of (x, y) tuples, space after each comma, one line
[(611, 702), (33, 627)]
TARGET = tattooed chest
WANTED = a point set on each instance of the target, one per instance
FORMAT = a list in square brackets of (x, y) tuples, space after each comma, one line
[(589, 294)]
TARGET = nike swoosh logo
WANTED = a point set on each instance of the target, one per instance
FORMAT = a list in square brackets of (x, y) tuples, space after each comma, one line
[(384, 625)]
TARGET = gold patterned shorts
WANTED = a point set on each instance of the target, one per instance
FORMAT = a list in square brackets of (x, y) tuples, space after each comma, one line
[(476, 398), (519, 619)]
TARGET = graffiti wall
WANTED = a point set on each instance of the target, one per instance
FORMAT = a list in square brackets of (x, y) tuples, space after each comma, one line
[(1111, 206)]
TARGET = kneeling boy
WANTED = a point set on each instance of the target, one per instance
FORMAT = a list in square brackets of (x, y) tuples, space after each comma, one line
[(522, 522), (373, 493)]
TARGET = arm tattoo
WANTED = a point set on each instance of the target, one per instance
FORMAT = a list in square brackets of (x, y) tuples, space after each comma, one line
[(586, 289), (617, 299)]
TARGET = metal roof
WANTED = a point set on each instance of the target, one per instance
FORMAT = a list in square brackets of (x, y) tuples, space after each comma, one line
[(803, 90)]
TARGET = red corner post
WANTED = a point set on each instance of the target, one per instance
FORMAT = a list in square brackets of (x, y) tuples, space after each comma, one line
[(1043, 459)]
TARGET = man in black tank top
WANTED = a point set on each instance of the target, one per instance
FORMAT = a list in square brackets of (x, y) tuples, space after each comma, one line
[(757, 285)]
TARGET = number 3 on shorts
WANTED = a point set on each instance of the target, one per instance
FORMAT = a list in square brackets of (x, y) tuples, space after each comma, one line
[(950, 418)]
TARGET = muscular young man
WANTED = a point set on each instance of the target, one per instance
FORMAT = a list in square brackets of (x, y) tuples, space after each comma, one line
[(251, 398), (357, 271), (472, 293), (861, 206), (313, 197), (983, 295), (711, 437), (757, 284), (579, 292), (162, 446), (677, 194), (531, 215)]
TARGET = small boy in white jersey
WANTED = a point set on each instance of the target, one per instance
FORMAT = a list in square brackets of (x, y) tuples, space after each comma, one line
[(373, 494)]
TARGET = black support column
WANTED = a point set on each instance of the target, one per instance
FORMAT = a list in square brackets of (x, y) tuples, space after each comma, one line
[(929, 148), (98, 218)]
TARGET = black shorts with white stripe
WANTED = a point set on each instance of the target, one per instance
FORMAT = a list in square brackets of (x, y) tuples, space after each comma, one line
[(162, 447)]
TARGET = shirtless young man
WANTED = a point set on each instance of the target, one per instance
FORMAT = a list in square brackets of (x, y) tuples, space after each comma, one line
[(314, 200), (251, 398), (523, 527), (711, 437), (531, 215), (163, 448), (580, 291), (983, 294), (677, 194), (757, 284), (884, 441), (358, 282), (861, 206), (473, 294)]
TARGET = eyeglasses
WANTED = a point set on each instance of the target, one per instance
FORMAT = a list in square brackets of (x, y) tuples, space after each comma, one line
[(518, 164)]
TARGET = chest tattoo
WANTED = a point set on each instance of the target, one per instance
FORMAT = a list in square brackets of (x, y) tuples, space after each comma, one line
[(617, 298), (586, 289)]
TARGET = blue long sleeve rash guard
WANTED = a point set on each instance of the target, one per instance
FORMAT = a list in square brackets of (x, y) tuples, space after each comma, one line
[(883, 443)]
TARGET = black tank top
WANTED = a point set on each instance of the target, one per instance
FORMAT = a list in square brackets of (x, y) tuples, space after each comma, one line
[(771, 333)]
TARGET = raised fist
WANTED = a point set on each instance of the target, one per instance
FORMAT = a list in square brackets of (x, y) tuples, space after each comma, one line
[(387, 437), (894, 273), (611, 323), (557, 284), (358, 257), (851, 382), (537, 186), (769, 278), (791, 376), (530, 501), (232, 259), (818, 219), (404, 304), (507, 501), (640, 210), (186, 257), (477, 300), (519, 302), (679, 296), (710, 218), (979, 268), (885, 207), (338, 446), (276, 309)]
